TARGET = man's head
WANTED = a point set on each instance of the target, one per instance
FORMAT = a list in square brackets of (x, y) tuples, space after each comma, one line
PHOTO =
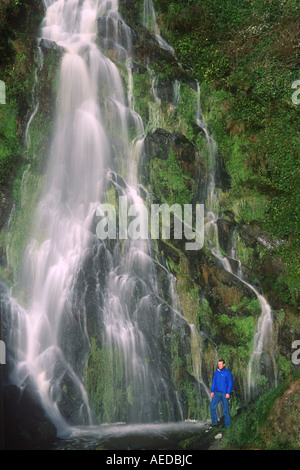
[(221, 364)]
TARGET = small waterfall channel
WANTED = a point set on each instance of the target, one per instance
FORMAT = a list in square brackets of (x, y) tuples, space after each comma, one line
[(262, 361)]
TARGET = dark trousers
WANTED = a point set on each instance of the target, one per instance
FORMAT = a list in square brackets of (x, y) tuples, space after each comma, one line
[(220, 396)]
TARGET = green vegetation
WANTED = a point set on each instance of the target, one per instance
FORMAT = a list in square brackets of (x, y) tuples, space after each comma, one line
[(10, 148), (244, 55), (106, 396), (141, 96), (195, 407), (18, 24), (22, 167), (19, 21), (169, 182), (257, 426)]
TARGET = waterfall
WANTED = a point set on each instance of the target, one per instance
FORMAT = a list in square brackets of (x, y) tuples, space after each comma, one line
[(149, 21), (70, 278), (111, 298), (36, 103), (262, 360), (78, 157)]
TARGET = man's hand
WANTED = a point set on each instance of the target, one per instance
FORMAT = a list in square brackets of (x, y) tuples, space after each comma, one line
[(212, 394), (227, 395)]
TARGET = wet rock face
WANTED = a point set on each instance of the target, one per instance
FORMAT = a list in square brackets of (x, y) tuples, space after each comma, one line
[(47, 45), (4, 212), (220, 287), (166, 90), (159, 143), (225, 232), (117, 37)]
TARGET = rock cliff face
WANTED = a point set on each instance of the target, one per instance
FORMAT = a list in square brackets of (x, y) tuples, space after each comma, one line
[(225, 308), (19, 24)]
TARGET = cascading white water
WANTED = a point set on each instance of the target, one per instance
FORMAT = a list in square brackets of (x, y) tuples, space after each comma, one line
[(36, 103), (149, 21), (78, 157), (263, 339), (91, 134), (263, 343)]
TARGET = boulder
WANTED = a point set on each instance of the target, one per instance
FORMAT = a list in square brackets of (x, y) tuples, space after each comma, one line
[(159, 143), (46, 45)]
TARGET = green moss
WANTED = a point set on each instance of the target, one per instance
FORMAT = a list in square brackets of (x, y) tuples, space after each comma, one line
[(142, 94), (237, 330), (245, 253), (27, 189), (23, 217), (187, 291), (38, 140), (284, 367), (10, 148), (169, 182), (251, 305), (204, 313), (185, 114)]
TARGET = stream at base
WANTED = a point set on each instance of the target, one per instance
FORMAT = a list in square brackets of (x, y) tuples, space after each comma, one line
[(168, 436)]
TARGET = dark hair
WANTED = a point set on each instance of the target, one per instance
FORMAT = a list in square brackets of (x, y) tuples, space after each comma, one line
[(221, 360)]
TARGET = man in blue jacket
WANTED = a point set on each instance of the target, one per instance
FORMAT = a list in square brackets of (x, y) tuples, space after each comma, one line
[(220, 391)]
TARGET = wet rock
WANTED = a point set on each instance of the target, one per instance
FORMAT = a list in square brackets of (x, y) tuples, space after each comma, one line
[(26, 424), (46, 44), (225, 231), (273, 265), (145, 47), (5, 205), (159, 143), (67, 393), (252, 235), (166, 90), (44, 434)]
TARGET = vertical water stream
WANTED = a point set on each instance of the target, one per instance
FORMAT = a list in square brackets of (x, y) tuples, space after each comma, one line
[(70, 277)]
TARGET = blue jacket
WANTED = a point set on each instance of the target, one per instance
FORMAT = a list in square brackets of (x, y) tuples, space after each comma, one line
[(222, 381)]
